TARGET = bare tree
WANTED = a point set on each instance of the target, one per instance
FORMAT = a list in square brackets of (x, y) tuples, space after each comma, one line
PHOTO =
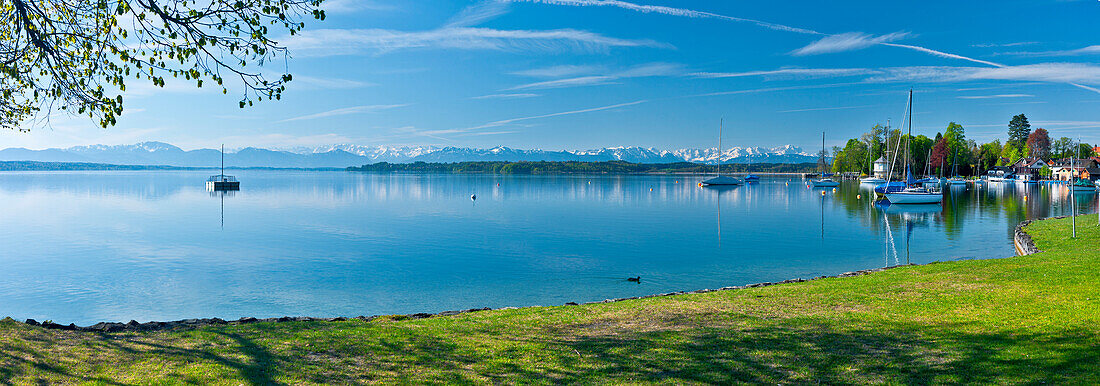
[(76, 55)]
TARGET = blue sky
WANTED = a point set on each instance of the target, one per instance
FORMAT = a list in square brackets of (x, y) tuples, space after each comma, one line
[(578, 74)]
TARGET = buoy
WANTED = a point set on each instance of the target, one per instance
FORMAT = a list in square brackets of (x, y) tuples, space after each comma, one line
[(650, 189), (498, 184), (473, 197), (834, 190), (859, 196), (1025, 197), (822, 192)]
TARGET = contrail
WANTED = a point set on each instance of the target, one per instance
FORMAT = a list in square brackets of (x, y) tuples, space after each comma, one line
[(669, 11), (943, 54)]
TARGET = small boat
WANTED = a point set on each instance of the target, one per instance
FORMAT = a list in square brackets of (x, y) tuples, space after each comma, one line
[(222, 182), (956, 180), (720, 179), (751, 177), (996, 179), (872, 180), (824, 182)]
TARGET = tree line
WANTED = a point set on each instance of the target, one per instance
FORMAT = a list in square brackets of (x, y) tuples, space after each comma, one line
[(950, 151), (577, 167)]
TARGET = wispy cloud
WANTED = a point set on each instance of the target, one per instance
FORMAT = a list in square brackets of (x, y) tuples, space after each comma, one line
[(478, 130), (348, 6), (568, 82), (770, 89), (1090, 50), (640, 71), (996, 96), (570, 112), (1070, 73), (329, 83), (478, 13), (998, 45), (670, 11), (344, 111), (507, 96), (558, 71), (849, 41), (329, 42), (791, 73), (826, 109)]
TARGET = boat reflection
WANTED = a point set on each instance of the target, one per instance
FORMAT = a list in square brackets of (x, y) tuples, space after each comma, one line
[(221, 194), (718, 190)]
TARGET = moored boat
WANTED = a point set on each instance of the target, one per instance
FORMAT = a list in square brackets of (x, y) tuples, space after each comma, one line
[(915, 196), (719, 179), (825, 181), (1083, 185)]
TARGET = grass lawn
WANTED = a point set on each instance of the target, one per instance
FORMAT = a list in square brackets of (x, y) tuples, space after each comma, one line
[(1016, 320)]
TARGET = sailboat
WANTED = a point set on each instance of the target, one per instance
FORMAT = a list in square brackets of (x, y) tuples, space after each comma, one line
[(751, 177), (871, 179), (955, 179), (222, 182), (720, 179), (1080, 184), (913, 194), (824, 182)]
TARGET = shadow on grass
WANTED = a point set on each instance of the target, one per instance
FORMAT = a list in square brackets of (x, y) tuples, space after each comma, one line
[(786, 352)]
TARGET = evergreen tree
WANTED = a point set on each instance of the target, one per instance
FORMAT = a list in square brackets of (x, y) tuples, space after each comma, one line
[(1018, 131)]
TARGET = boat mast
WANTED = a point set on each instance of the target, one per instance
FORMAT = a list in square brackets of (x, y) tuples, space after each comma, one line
[(223, 160), (719, 161), (909, 136), (823, 154)]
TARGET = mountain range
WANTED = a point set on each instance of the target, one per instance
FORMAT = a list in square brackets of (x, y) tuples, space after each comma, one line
[(339, 156)]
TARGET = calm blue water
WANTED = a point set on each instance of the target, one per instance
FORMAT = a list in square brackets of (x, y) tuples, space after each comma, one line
[(113, 246)]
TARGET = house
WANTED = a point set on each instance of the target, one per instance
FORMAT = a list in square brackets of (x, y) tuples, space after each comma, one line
[(1029, 167), (1092, 174), (1069, 170), (999, 171)]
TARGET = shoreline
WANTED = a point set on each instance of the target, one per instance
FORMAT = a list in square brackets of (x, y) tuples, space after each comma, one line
[(1022, 241), (134, 325)]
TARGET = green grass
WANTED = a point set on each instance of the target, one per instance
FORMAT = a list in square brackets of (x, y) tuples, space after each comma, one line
[(1024, 319)]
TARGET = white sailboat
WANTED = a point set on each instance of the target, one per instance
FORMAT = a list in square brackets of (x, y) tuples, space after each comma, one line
[(720, 179), (871, 179), (914, 195), (824, 182)]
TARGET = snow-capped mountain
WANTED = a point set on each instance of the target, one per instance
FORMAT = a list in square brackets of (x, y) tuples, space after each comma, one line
[(343, 155)]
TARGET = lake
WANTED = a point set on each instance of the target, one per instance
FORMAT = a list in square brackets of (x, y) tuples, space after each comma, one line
[(86, 247)]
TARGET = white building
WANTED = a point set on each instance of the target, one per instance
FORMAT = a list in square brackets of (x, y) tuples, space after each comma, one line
[(880, 167)]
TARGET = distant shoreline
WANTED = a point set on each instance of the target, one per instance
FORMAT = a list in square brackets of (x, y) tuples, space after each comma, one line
[(38, 166), (578, 167), (473, 167)]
